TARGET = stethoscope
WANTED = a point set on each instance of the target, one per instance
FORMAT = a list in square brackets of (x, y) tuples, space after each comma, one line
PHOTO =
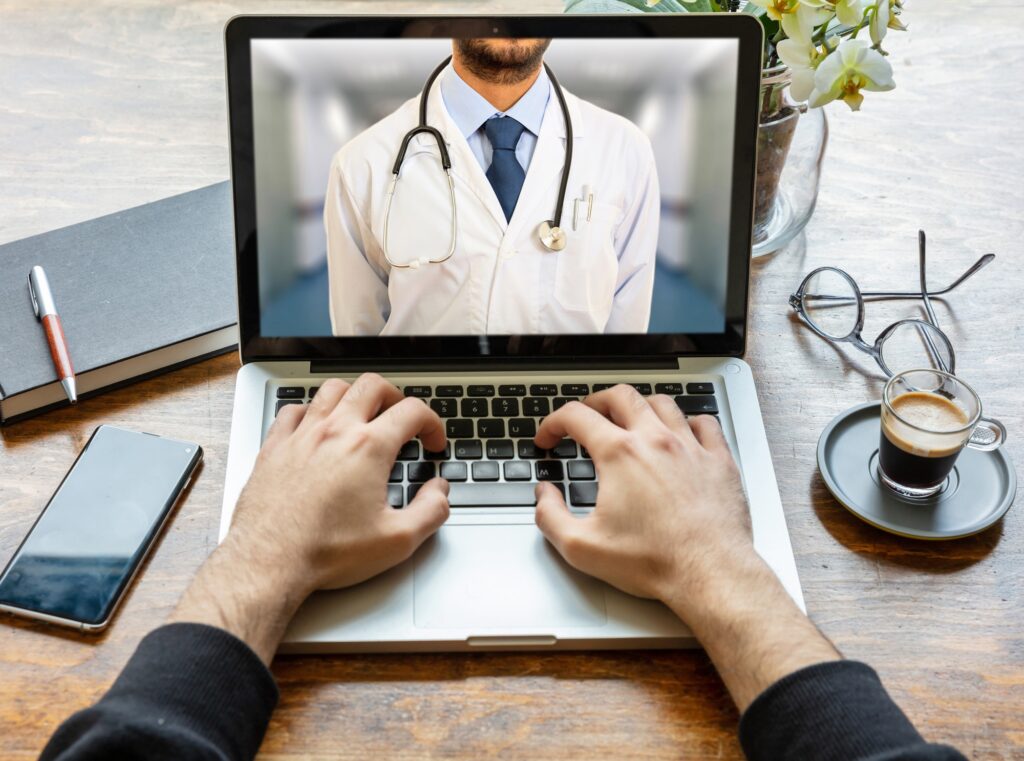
[(550, 231)]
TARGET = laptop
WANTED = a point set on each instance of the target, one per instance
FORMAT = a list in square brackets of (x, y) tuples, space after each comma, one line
[(489, 327)]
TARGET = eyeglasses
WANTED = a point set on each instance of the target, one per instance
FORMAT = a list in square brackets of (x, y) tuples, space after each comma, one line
[(831, 304)]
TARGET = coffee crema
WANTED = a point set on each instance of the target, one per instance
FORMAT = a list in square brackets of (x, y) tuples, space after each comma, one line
[(940, 418)]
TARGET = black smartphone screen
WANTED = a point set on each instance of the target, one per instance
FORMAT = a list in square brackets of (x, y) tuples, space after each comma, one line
[(96, 529)]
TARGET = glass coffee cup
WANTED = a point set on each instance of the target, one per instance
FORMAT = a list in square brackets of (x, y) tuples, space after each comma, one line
[(928, 417)]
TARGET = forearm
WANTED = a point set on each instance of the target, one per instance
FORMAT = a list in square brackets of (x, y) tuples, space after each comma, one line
[(251, 598), (749, 626)]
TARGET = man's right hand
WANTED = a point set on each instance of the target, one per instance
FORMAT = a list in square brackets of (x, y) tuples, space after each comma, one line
[(672, 523)]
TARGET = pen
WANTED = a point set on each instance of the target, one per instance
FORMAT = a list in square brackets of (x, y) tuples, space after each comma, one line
[(46, 312)]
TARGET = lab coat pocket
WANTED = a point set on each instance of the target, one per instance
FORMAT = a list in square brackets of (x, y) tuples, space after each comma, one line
[(587, 267)]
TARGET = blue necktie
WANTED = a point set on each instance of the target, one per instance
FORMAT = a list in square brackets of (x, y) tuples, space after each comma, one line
[(505, 173)]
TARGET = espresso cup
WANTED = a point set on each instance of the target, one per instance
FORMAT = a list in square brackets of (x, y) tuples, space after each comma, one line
[(928, 417)]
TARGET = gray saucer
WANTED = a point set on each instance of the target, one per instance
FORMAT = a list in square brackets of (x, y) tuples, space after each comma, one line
[(976, 494)]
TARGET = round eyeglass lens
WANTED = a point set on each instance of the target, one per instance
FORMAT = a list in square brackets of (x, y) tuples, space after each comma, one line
[(914, 344), (830, 303)]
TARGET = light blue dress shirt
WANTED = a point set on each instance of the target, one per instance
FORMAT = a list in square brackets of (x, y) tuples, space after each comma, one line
[(469, 110)]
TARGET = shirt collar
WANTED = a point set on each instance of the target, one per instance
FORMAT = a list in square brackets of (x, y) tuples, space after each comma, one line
[(469, 109)]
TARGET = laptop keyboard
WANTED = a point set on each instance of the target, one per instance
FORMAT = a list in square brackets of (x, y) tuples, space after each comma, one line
[(490, 459)]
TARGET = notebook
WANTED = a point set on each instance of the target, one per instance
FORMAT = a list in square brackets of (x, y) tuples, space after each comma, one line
[(139, 292)]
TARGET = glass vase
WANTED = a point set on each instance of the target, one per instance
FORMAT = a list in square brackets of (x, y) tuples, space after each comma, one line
[(791, 142)]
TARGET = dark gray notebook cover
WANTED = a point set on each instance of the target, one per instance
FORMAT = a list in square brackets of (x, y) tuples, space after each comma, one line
[(125, 284)]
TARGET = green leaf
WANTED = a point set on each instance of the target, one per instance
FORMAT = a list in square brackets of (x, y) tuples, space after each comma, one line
[(755, 10)]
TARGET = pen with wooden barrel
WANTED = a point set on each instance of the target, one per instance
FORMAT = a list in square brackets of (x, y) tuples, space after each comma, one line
[(46, 312)]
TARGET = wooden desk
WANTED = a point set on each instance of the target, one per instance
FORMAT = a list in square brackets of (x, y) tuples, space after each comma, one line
[(107, 104)]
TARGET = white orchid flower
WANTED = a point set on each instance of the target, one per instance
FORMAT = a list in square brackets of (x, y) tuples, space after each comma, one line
[(850, 68), (849, 12), (880, 21), (801, 23), (802, 60)]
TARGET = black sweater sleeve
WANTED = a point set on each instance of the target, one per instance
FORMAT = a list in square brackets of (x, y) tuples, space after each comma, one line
[(189, 692), (836, 711)]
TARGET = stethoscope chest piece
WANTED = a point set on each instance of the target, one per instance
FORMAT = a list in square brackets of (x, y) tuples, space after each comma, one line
[(553, 237)]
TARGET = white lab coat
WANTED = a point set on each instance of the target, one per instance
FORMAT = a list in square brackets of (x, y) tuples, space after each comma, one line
[(501, 279)]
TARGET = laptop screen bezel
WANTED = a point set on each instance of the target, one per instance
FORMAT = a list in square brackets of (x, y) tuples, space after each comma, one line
[(242, 30)]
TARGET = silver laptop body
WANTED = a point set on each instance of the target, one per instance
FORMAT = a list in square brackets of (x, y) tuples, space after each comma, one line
[(488, 580)]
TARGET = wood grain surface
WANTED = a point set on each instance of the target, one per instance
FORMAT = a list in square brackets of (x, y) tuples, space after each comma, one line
[(107, 104)]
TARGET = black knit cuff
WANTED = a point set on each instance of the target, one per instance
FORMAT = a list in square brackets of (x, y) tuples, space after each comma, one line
[(201, 678), (834, 710)]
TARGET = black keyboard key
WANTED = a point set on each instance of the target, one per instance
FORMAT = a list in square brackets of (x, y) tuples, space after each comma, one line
[(421, 471), (550, 470), (581, 470), (469, 449), (284, 403), (411, 491), (291, 392), (700, 388), (564, 449), (697, 405), (444, 454), (504, 407), (603, 386), (583, 494), (522, 428), (459, 429), (410, 451), (575, 389), (474, 407), (480, 390), (543, 389), (490, 428), (313, 390), (536, 406), (512, 389), (529, 451), (454, 471), (518, 471), (444, 407), (485, 471), (397, 470), (395, 496), (644, 389), (449, 391), (423, 392), (668, 388), (561, 401), (500, 449)]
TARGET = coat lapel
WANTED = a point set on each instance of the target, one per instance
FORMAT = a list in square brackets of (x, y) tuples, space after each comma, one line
[(465, 168), (540, 189)]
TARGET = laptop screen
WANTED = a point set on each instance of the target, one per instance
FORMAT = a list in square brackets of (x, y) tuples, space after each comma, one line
[(640, 243), (367, 231)]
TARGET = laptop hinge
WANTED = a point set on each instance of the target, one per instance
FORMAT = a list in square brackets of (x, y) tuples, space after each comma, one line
[(492, 364)]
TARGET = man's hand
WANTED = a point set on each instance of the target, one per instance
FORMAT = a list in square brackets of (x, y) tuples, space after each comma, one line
[(314, 514), (317, 498), (672, 523), (670, 506)]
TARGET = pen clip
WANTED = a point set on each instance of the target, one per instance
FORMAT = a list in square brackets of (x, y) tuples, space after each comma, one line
[(32, 295)]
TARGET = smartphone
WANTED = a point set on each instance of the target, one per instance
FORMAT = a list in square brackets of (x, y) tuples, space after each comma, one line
[(81, 554)]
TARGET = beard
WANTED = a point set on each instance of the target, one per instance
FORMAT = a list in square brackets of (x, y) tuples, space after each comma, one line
[(504, 64)]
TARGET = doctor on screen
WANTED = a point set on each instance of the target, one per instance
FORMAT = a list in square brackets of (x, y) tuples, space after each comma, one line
[(471, 238)]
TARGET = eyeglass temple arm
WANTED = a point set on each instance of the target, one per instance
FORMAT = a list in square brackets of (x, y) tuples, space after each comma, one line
[(937, 358), (978, 265)]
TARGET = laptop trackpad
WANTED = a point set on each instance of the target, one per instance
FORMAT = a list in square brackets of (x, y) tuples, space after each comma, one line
[(504, 577)]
